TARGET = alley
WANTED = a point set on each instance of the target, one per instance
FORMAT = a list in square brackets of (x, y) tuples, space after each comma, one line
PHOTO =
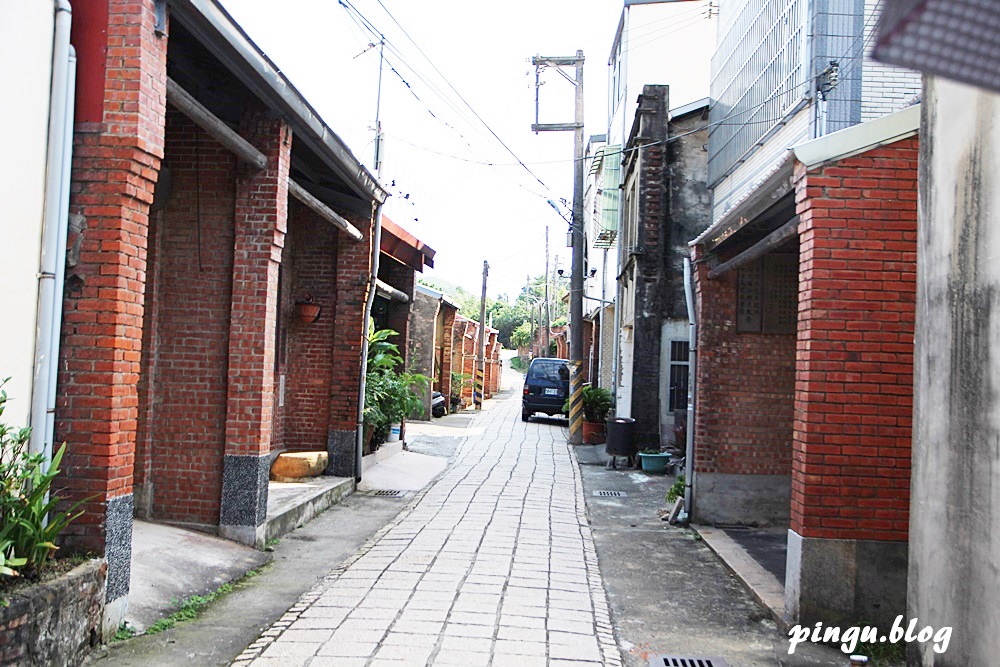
[(494, 564)]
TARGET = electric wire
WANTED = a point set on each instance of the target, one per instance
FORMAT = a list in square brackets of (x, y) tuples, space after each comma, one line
[(347, 3)]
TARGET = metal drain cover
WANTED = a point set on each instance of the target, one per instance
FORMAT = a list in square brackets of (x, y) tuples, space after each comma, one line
[(610, 494), (386, 493), (686, 661)]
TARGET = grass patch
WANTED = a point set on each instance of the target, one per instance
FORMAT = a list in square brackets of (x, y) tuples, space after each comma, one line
[(125, 631), (518, 364), (190, 608)]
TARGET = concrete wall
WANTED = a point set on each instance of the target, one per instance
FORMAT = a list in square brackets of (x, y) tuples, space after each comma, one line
[(26, 57), (954, 567)]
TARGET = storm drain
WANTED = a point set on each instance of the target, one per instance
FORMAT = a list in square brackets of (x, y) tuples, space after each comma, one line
[(685, 661), (386, 493), (610, 494)]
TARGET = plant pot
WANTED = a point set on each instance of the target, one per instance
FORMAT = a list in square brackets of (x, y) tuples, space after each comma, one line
[(394, 431), (654, 462), (594, 433), (307, 311)]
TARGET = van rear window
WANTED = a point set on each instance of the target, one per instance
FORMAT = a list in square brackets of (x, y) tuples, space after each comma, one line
[(550, 372)]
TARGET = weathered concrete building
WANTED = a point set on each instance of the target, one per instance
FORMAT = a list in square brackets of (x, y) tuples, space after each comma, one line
[(432, 319), (954, 555), (666, 204)]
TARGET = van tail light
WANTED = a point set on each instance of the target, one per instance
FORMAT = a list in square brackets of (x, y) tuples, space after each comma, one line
[(525, 391)]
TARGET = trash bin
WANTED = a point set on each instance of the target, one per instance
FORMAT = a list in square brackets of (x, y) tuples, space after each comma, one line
[(619, 441)]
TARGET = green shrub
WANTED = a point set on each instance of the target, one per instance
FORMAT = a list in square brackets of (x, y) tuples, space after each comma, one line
[(677, 490), (391, 395), (29, 524)]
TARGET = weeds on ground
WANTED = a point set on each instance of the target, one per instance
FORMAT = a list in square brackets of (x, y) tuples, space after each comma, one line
[(188, 609)]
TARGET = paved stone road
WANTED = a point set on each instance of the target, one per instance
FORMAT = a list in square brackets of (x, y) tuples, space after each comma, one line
[(493, 565)]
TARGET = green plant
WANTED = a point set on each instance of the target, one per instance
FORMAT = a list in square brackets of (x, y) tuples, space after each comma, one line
[(521, 336), (29, 524), (596, 403), (125, 631), (391, 395), (677, 490)]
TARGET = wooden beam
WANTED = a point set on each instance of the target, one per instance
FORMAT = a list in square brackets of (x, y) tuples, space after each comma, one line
[(184, 102), (323, 211), (774, 240)]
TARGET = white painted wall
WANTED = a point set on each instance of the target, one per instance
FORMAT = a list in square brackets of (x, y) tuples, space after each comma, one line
[(668, 43), (26, 32), (884, 88)]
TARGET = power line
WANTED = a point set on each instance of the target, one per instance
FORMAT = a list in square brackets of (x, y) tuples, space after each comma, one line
[(348, 4)]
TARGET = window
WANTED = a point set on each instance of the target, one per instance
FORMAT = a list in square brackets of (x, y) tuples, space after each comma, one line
[(678, 374), (767, 295)]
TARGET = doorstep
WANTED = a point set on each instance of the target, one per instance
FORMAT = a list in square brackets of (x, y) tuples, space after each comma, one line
[(761, 583), (292, 504)]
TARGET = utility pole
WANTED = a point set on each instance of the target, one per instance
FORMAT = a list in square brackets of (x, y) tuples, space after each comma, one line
[(576, 229), (548, 322), (477, 396)]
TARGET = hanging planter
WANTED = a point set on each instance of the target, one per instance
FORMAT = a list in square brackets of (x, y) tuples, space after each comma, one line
[(307, 311)]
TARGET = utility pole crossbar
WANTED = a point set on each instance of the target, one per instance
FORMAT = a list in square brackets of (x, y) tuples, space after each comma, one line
[(576, 231)]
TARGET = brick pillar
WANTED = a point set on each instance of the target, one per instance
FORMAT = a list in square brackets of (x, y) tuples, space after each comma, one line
[(349, 329), (847, 549), (121, 98), (260, 221), (447, 342)]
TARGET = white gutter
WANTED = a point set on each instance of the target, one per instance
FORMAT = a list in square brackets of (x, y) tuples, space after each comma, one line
[(52, 262), (692, 377)]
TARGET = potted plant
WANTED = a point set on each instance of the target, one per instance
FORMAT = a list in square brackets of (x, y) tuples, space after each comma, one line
[(654, 460), (390, 395), (307, 310), (596, 408), (458, 382)]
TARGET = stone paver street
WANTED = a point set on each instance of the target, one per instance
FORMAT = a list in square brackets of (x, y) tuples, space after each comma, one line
[(492, 565)]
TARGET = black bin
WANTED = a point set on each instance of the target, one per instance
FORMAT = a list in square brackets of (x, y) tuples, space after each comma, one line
[(619, 442)]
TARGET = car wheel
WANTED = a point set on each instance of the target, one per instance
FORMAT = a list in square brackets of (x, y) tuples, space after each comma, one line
[(525, 415)]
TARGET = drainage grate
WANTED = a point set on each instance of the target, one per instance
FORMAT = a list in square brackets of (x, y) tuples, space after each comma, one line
[(386, 493), (685, 661), (610, 494)]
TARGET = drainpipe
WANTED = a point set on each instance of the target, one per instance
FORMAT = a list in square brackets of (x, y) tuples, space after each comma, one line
[(359, 445), (52, 263), (692, 361)]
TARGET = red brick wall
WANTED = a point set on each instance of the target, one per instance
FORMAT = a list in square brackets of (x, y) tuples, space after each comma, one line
[(260, 224), (353, 262), (448, 314), (401, 277), (310, 253), (186, 337), (854, 385), (117, 150), (745, 387)]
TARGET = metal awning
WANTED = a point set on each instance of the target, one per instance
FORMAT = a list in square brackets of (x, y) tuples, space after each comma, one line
[(404, 247)]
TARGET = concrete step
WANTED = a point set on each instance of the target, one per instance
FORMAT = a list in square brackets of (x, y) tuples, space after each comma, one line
[(292, 504)]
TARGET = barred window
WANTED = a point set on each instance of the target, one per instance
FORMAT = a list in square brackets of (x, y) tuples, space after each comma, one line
[(767, 295)]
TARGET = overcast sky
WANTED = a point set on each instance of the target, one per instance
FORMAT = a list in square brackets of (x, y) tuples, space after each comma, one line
[(455, 73)]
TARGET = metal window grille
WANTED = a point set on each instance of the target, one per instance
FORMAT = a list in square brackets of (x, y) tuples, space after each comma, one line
[(611, 178), (758, 75), (767, 295), (678, 374)]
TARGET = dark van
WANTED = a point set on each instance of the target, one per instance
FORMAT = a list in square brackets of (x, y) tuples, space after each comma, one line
[(546, 387)]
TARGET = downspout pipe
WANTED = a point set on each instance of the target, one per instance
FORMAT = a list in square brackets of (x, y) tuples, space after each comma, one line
[(359, 446), (692, 375), (55, 223)]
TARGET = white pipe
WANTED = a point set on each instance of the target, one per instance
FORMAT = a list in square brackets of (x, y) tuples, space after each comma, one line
[(692, 361), (52, 261)]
